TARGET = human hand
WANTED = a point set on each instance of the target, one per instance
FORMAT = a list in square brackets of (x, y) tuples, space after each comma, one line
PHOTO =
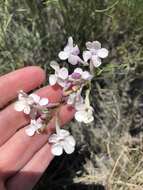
[(23, 159)]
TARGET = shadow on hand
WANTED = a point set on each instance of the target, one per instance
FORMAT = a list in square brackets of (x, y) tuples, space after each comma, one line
[(59, 175)]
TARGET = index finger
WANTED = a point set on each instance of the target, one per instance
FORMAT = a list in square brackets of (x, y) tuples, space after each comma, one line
[(26, 79)]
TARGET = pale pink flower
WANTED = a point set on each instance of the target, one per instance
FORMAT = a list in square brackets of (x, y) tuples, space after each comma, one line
[(61, 75), (33, 127), (95, 53), (61, 141), (84, 114), (70, 52), (24, 103)]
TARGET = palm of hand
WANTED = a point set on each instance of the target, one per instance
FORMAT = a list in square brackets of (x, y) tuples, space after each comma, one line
[(23, 159)]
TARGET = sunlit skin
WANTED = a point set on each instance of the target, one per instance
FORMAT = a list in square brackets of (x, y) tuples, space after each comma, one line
[(23, 159)]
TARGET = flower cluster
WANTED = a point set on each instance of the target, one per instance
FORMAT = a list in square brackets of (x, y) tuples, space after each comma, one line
[(74, 83), (35, 107), (76, 87)]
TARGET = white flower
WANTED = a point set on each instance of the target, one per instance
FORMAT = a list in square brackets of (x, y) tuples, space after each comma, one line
[(61, 141), (94, 53), (79, 74), (34, 126), (70, 52), (24, 103), (60, 77), (84, 114)]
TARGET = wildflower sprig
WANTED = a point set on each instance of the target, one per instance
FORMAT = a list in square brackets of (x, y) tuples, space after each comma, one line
[(40, 110)]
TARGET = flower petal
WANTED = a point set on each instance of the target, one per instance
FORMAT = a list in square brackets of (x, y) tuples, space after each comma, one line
[(102, 53), (79, 116), (96, 45), (63, 55), (35, 97), (69, 149), (73, 59), (19, 106), (78, 70), (54, 65), (86, 75), (57, 149), (52, 80), (27, 109), (44, 101), (88, 119), (70, 42), (33, 122), (93, 45), (63, 73), (30, 131), (20, 95), (88, 45), (96, 61), (75, 50), (64, 133), (70, 139), (86, 55)]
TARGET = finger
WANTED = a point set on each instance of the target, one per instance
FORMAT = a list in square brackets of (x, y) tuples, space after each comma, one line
[(16, 152), (11, 120), (28, 176), (27, 79)]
